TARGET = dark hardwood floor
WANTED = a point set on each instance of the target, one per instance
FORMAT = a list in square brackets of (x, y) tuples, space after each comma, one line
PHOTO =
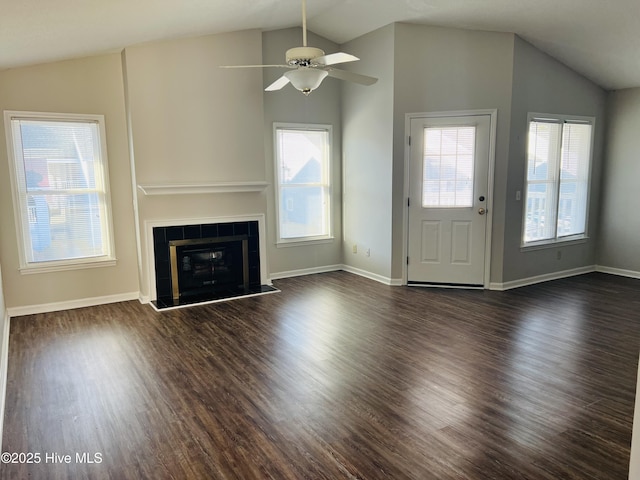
[(336, 377)]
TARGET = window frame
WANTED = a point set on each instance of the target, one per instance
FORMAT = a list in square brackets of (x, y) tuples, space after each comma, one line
[(561, 119), (328, 185), (16, 165)]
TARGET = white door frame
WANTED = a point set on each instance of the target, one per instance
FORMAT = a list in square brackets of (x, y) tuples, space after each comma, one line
[(493, 113)]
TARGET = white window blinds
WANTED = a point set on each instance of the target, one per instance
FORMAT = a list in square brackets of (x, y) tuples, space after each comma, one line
[(557, 179), (60, 188), (303, 182)]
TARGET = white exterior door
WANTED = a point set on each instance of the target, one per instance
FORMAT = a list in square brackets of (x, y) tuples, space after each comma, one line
[(448, 192)]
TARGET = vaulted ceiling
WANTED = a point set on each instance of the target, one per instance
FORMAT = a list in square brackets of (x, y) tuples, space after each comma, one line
[(597, 38)]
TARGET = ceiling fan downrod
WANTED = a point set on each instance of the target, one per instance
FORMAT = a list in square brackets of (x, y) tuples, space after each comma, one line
[(304, 23)]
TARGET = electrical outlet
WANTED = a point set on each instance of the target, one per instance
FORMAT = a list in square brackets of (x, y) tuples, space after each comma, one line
[(518, 195), (368, 254), (559, 255), (355, 248)]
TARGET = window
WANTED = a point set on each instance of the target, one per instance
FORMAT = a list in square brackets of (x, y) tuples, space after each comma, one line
[(448, 167), (302, 156), (557, 178), (58, 166)]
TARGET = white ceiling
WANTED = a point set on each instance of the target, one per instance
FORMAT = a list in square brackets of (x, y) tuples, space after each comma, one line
[(598, 38)]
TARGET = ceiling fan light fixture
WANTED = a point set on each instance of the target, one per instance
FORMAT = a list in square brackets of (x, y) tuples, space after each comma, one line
[(309, 66), (306, 79)]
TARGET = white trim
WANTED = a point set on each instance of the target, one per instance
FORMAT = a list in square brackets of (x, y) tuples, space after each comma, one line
[(617, 271), (306, 271), (394, 282), (71, 304), (397, 282), (4, 368), (450, 287), (68, 265), (149, 225), (303, 243), (554, 243), (208, 302), (493, 114), (523, 282), (197, 188)]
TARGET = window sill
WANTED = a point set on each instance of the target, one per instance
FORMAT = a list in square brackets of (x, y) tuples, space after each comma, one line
[(298, 242), (60, 267), (554, 243)]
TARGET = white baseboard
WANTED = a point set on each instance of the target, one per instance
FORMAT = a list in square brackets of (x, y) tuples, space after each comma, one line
[(336, 268), (4, 368), (71, 304), (618, 271), (523, 282), (394, 282), (305, 271), (89, 302)]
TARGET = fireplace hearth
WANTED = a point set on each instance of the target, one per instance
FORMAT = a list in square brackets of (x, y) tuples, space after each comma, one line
[(206, 262)]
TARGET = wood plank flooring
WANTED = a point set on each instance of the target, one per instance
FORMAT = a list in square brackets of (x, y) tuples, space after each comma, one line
[(335, 377)]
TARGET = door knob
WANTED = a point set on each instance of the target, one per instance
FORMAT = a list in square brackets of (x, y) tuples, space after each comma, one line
[(482, 211)]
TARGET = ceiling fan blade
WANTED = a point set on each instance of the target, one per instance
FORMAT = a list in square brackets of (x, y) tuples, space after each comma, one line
[(278, 84), (334, 58), (254, 66), (351, 77)]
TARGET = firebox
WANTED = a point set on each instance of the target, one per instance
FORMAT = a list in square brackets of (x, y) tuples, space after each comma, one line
[(206, 262), (200, 266)]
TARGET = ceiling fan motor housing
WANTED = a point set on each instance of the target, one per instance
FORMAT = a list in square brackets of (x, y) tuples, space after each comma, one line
[(302, 56)]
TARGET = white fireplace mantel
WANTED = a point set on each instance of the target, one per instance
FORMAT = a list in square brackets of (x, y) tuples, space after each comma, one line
[(199, 188)]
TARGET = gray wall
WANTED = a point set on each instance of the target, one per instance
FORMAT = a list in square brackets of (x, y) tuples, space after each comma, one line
[(291, 106), (619, 240), (544, 85), (367, 153), (90, 85), (444, 69), (193, 122), (4, 354), (3, 309), (430, 69)]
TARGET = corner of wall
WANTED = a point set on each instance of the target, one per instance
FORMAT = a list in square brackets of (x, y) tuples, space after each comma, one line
[(4, 365)]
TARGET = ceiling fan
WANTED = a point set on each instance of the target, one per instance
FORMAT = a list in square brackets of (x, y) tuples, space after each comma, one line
[(308, 66)]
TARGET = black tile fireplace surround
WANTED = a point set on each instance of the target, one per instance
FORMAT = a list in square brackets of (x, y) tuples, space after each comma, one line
[(216, 234)]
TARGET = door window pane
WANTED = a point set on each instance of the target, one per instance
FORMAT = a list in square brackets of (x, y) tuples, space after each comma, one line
[(448, 161)]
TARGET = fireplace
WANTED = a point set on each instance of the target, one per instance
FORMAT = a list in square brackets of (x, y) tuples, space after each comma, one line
[(206, 262), (198, 266)]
